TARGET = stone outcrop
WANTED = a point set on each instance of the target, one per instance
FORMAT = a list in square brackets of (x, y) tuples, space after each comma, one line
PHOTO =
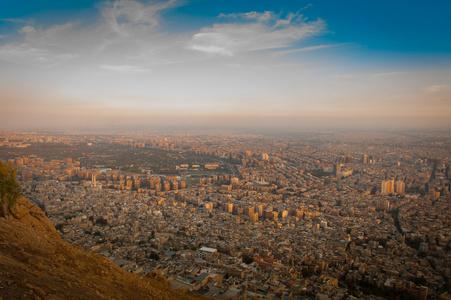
[(32, 216)]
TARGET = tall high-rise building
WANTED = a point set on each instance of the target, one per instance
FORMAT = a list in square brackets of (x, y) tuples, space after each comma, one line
[(248, 210), (174, 185), (365, 159), (209, 207), (400, 187), (136, 183), (229, 207), (259, 209), (337, 168), (388, 187)]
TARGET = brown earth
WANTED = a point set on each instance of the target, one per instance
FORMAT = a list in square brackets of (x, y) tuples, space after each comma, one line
[(32, 216), (36, 264)]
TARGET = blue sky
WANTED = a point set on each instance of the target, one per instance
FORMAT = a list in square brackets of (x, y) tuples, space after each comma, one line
[(309, 64), (405, 25)]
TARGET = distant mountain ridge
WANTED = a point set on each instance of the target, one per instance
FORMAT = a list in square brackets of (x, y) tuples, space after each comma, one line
[(36, 264)]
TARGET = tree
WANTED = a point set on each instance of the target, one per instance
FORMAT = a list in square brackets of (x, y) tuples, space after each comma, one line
[(305, 272), (154, 256), (101, 221), (9, 188), (247, 259)]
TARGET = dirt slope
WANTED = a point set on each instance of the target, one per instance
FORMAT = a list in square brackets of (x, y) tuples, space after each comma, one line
[(36, 264), (32, 216)]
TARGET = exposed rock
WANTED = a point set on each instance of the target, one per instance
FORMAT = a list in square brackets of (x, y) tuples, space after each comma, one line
[(31, 215)]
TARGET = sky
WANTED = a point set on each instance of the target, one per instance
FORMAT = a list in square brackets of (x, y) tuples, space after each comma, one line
[(351, 64)]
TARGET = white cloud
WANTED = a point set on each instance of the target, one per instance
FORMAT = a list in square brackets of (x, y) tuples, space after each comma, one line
[(127, 16), (211, 49), (128, 28), (261, 17), (50, 36), (18, 21), (368, 76), (386, 74), (24, 53), (125, 68), (288, 20), (312, 48), (267, 17), (264, 31), (128, 35), (40, 46)]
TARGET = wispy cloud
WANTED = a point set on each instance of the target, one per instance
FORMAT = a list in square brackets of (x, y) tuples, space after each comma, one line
[(130, 31), (210, 48), (39, 46), (25, 53), (261, 31), (125, 68), (126, 16), (50, 36), (368, 75), (387, 74), (126, 28), (312, 48), (268, 17), (253, 15), (128, 34), (25, 21)]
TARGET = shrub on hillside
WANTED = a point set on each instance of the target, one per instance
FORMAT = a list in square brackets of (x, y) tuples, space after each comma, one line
[(9, 188)]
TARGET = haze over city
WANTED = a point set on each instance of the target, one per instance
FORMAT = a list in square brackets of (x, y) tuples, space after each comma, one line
[(314, 64)]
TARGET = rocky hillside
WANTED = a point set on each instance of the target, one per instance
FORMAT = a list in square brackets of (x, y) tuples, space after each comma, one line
[(36, 264), (32, 216)]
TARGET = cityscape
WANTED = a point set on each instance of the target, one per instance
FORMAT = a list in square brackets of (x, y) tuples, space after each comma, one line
[(305, 214), (202, 149)]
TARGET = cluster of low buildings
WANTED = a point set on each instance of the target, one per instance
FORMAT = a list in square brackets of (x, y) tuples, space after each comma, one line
[(285, 218)]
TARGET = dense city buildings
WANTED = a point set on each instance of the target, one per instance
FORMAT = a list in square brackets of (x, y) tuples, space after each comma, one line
[(321, 215)]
